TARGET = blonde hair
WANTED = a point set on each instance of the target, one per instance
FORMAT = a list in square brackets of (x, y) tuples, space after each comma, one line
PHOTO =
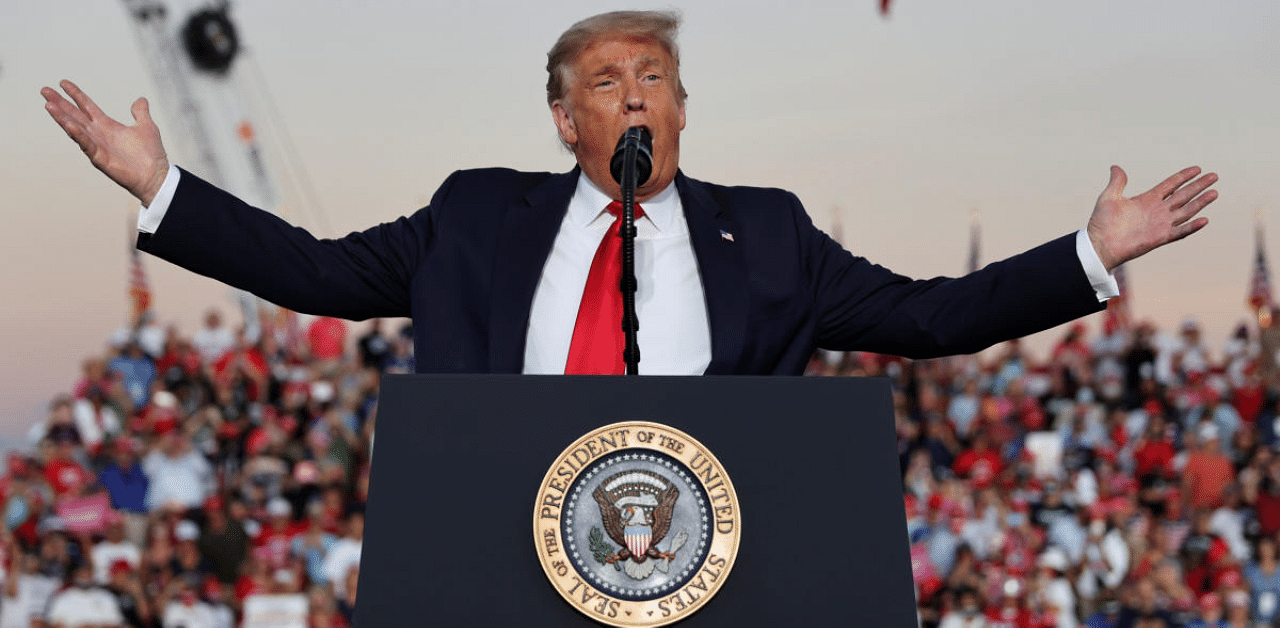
[(658, 26)]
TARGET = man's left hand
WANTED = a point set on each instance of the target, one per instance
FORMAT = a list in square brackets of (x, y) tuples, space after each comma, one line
[(1123, 228)]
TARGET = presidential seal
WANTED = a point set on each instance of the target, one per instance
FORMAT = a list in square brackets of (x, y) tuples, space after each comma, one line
[(636, 524)]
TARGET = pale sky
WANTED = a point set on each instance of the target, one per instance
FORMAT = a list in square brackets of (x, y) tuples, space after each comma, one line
[(901, 126)]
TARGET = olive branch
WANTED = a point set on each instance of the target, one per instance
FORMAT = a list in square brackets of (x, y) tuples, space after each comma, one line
[(599, 549)]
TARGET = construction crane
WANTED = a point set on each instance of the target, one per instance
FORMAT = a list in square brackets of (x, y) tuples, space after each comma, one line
[(192, 48)]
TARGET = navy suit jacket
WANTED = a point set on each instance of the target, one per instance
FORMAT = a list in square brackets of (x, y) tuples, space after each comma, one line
[(465, 268)]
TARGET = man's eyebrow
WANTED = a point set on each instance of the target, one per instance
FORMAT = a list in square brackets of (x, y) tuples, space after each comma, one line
[(609, 68), (648, 61)]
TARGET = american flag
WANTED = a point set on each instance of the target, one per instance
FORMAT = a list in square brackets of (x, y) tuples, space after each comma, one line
[(139, 290), (1260, 285)]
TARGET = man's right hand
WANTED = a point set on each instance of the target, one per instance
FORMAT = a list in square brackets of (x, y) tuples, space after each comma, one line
[(132, 156)]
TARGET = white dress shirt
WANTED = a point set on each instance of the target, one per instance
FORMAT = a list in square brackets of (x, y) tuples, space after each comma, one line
[(675, 333)]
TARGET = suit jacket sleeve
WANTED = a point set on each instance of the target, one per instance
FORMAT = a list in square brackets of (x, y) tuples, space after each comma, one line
[(863, 306), (365, 274)]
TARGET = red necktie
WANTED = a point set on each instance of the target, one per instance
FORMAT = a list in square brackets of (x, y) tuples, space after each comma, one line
[(596, 348)]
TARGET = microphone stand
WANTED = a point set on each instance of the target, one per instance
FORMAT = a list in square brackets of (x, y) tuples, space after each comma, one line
[(630, 321)]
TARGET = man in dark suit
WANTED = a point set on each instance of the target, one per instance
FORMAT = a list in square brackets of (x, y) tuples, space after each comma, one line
[(732, 279)]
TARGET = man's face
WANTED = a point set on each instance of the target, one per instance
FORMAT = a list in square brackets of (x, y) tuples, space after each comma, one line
[(617, 84)]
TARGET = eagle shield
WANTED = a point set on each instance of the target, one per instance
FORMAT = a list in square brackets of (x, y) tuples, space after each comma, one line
[(638, 539)]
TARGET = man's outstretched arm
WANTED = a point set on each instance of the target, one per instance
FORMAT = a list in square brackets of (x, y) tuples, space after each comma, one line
[(863, 306), (212, 233), (132, 156)]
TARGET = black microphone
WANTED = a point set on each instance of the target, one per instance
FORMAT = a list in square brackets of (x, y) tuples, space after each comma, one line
[(639, 138)]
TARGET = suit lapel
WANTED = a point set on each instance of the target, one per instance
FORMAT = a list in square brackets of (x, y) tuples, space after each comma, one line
[(724, 276), (528, 231)]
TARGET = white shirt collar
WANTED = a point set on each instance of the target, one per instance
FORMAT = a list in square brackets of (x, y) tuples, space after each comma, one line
[(589, 202)]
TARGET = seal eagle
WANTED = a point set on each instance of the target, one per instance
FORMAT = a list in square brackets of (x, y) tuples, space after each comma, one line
[(636, 508)]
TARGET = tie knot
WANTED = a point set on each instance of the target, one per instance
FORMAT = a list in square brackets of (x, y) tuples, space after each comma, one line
[(615, 208)]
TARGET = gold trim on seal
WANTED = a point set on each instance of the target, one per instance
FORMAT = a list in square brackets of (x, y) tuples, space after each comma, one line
[(724, 524)]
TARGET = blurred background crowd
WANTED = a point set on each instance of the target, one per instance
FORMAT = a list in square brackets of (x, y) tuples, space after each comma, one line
[(1128, 478), (211, 479)]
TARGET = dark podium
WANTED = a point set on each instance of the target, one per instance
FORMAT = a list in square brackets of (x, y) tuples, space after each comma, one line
[(460, 461)]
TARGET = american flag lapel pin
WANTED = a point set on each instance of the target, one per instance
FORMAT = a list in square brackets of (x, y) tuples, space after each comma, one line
[(726, 235)]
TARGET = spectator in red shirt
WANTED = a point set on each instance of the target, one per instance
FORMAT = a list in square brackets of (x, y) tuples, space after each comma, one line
[(1208, 472), (1260, 487), (276, 537), (1022, 542), (1250, 395), (1205, 554), (65, 475), (980, 463), (243, 366), (160, 416), (1154, 450), (179, 363)]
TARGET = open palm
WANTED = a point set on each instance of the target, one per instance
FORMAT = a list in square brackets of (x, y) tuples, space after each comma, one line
[(1122, 228), (132, 156)]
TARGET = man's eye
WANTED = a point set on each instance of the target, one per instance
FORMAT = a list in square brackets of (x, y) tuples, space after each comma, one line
[(652, 78), (604, 83)]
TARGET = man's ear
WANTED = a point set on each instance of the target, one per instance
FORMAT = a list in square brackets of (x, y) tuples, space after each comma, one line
[(564, 122)]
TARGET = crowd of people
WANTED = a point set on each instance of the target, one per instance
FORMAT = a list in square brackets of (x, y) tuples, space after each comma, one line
[(209, 480), (1129, 478)]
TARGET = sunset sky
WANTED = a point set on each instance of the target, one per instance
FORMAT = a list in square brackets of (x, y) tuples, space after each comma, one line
[(900, 128)]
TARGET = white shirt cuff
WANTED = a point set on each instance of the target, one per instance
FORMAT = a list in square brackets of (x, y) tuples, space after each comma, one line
[(149, 216), (1104, 283)]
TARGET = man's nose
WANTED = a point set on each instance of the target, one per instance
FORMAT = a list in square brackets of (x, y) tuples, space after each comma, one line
[(633, 99)]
